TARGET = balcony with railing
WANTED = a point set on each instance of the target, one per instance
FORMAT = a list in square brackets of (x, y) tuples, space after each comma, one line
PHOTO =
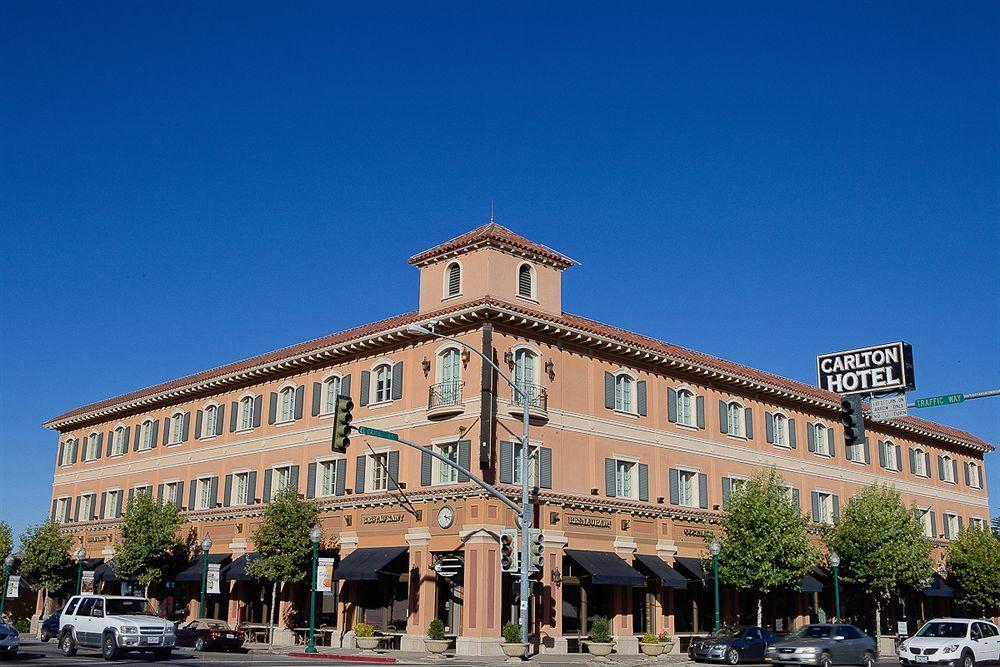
[(537, 399), (445, 399)]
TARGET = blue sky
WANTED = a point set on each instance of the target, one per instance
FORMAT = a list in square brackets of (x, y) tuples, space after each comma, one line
[(186, 184)]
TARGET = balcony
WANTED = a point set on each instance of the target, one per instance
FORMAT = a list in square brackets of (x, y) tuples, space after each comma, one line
[(538, 403), (445, 399)]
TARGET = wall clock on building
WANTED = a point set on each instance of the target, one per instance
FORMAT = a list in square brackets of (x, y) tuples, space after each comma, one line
[(446, 516)]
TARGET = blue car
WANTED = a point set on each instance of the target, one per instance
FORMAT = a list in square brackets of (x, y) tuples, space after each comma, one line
[(50, 628)]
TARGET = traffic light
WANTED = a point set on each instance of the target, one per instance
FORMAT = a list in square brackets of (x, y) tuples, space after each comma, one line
[(535, 549), (853, 419), (508, 550), (342, 424)]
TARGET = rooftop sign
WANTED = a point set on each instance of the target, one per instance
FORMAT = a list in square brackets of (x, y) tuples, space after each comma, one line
[(867, 370)]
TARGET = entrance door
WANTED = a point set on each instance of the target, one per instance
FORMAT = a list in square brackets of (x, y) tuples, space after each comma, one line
[(449, 605)]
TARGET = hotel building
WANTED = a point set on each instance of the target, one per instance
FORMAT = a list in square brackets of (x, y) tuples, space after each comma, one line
[(635, 445)]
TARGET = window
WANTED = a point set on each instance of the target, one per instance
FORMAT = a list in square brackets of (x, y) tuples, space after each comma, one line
[(736, 483), (525, 282), (685, 407), (524, 368), (780, 430), (327, 478), (856, 452), (453, 275), (66, 453), (687, 488), (203, 494), (977, 523), (952, 526), (281, 479), (143, 488), (246, 412), (446, 474), (118, 444), (820, 440), (450, 365), (331, 388), (624, 388), (176, 428), (210, 420), (86, 506), (825, 506), (379, 469), (286, 401), (532, 464), (973, 475), (625, 482), (926, 519), (735, 417), (241, 488), (172, 493), (111, 503), (947, 469), (889, 452), (146, 439), (383, 383), (91, 447), (62, 509)]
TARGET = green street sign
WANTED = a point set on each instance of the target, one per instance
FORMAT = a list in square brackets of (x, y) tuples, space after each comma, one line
[(374, 432), (935, 401)]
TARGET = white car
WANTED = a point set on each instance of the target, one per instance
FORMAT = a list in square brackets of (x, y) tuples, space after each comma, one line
[(114, 624), (952, 642)]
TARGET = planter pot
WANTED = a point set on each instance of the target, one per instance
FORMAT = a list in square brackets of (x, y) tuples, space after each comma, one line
[(437, 646), (600, 649), (515, 650), (367, 643), (668, 647), (652, 650)]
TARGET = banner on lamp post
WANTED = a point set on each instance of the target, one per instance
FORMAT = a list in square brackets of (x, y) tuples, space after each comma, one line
[(324, 575), (213, 578), (87, 582), (13, 584)]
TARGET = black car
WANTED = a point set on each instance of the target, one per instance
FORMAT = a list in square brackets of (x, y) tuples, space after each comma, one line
[(50, 628), (746, 643), (206, 634)]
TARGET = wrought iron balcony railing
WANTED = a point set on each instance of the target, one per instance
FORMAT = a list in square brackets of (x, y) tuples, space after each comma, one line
[(445, 394), (538, 398)]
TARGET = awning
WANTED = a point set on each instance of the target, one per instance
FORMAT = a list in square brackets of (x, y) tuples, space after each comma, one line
[(237, 570), (691, 567), (194, 571), (667, 575), (810, 584), (606, 568), (939, 588), (92, 563), (106, 572), (367, 564)]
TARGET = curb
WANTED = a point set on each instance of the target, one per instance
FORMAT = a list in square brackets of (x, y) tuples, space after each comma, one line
[(380, 659)]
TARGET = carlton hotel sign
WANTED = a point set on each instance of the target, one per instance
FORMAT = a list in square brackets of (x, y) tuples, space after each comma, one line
[(867, 370)]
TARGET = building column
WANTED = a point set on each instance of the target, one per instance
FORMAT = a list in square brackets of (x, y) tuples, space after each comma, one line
[(666, 550), (345, 609), (626, 643), (549, 619), (481, 609), (422, 590)]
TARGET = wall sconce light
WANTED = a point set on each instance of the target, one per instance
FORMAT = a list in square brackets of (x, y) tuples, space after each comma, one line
[(625, 524), (508, 358), (550, 370), (348, 491), (660, 500), (466, 355), (593, 491), (420, 515), (347, 520), (400, 485), (556, 578), (553, 517), (426, 365)]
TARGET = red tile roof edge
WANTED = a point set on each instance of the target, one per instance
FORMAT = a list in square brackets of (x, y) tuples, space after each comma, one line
[(492, 231)]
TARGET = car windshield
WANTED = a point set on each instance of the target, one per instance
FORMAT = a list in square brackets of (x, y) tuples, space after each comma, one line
[(128, 607), (216, 625), (949, 630), (726, 633), (814, 632)]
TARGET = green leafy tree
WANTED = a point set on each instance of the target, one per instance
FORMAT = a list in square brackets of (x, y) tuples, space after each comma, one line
[(881, 545), (973, 561), (45, 559), (765, 541), (148, 534), (282, 540), (6, 540)]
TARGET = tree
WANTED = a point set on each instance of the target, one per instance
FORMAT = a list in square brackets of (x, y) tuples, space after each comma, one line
[(148, 536), (881, 545), (973, 561), (282, 540), (765, 542), (45, 559), (6, 540)]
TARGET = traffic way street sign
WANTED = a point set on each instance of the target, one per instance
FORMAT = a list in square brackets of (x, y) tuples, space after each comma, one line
[(386, 435), (934, 401), (888, 408)]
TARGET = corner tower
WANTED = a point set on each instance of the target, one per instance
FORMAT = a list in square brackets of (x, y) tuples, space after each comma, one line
[(491, 261)]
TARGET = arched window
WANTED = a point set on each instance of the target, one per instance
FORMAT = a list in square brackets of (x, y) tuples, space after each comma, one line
[(453, 276), (919, 462), (972, 475), (525, 282), (821, 443), (286, 399), (331, 387), (383, 383), (119, 445), (93, 447), (947, 469), (624, 390), (889, 455), (780, 430), (735, 416), (450, 365), (246, 412), (525, 367), (147, 435), (176, 427), (209, 426), (685, 407)]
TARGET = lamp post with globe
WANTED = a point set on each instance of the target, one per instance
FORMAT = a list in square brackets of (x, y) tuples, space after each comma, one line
[(715, 547), (206, 545), (314, 536), (835, 564)]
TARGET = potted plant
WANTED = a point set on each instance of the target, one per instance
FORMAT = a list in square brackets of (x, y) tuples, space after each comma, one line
[(667, 641), (650, 645), (512, 645), (436, 643), (364, 637), (600, 643)]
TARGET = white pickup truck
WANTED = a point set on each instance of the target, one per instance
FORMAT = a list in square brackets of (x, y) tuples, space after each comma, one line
[(114, 624)]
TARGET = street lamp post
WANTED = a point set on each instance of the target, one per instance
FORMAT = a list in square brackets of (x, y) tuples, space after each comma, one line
[(6, 578), (81, 553), (835, 564), (206, 545), (314, 535), (527, 519), (715, 547)]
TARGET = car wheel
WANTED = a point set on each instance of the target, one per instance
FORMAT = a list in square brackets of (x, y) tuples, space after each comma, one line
[(733, 657), (44, 636), (109, 647), (968, 660), (199, 644), (67, 645), (868, 660)]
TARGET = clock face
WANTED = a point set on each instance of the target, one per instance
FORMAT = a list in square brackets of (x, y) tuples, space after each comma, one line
[(446, 517)]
